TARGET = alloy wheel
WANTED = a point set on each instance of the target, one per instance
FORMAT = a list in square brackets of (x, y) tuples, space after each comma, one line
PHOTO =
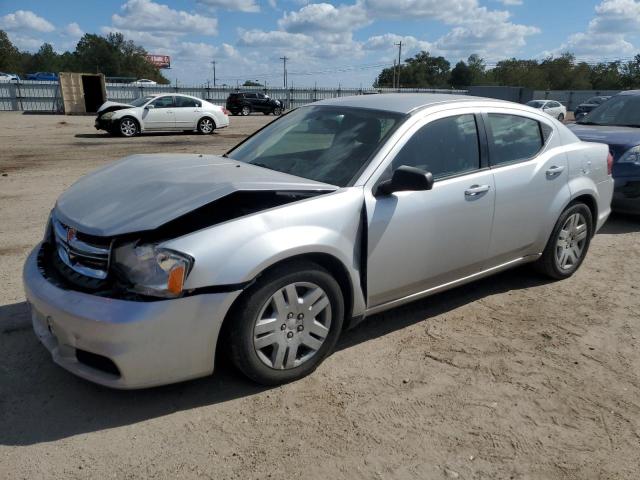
[(246, 111), (128, 127), (292, 326), (571, 242), (206, 125), (277, 111)]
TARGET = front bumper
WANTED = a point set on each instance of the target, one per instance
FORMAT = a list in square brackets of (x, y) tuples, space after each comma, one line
[(626, 195), (102, 124), (150, 343)]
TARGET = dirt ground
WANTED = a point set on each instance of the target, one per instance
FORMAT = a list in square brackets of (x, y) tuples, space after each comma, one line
[(512, 377)]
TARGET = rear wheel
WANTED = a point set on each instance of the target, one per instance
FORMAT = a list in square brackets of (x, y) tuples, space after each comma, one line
[(246, 110), (128, 127), (568, 244), (277, 111), (287, 323), (206, 126), (561, 117)]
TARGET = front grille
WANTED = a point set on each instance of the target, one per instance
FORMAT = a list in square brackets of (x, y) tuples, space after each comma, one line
[(80, 256)]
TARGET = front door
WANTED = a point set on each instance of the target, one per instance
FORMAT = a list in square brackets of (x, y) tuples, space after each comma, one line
[(161, 115), (421, 240)]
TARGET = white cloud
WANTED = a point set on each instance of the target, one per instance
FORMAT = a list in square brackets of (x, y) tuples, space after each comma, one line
[(608, 33), (324, 17), (73, 30), (25, 20), (274, 38), (388, 42), (25, 42), (511, 2), (239, 5), (148, 16)]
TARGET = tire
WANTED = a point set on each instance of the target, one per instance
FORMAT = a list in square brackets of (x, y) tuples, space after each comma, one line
[(277, 111), (246, 110), (206, 126), (128, 127), (561, 117), (568, 244), (273, 352)]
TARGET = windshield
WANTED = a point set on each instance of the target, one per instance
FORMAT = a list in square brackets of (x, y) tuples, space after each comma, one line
[(536, 103), (138, 102), (619, 111), (325, 144)]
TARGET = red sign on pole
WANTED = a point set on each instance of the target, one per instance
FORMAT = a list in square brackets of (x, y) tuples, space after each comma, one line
[(160, 61)]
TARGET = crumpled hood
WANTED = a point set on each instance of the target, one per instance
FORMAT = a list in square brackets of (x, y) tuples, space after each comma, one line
[(110, 106), (143, 192)]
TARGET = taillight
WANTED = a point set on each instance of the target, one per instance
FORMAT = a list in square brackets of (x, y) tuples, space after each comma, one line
[(610, 164), (225, 111)]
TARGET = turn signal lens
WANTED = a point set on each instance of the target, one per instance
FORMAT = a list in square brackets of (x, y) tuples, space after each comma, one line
[(610, 164), (226, 112), (175, 282)]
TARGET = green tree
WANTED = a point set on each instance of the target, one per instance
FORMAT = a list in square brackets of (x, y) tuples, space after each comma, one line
[(478, 69), (251, 83), (44, 60), (606, 76), (9, 55), (630, 73), (461, 76)]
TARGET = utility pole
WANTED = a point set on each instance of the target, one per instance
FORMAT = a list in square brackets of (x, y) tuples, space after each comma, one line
[(284, 70), (393, 85), (214, 72), (399, 45)]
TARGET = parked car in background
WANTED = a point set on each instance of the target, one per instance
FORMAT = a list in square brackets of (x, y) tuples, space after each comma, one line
[(586, 107), (161, 112), (8, 77), (43, 76), (246, 102), (336, 211), (144, 82), (550, 107), (616, 122)]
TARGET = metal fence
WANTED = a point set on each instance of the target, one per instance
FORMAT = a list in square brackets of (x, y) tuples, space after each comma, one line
[(46, 97), (571, 98)]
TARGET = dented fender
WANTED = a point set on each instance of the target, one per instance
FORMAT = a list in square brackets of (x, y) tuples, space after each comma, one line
[(237, 251)]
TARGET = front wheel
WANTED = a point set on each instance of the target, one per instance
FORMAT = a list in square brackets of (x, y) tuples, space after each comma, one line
[(568, 244), (277, 111), (206, 126), (128, 127), (287, 323)]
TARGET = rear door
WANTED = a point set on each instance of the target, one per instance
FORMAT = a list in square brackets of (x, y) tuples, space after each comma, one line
[(531, 182), (424, 239), (162, 114), (187, 112)]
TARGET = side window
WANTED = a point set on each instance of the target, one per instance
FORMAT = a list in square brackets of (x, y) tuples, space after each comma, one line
[(186, 102), (513, 138), (250, 96), (163, 102), (444, 147)]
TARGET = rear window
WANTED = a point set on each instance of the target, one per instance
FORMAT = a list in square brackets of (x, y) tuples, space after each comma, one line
[(513, 138), (186, 102)]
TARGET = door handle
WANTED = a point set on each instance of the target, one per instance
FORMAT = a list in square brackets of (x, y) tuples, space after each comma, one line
[(554, 171), (476, 190)]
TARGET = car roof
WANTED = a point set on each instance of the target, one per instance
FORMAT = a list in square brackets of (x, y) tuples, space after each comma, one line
[(630, 92), (402, 102)]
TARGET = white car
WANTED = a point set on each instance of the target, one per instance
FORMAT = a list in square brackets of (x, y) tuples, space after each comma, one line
[(144, 82), (8, 77), (161, 112), (550, 107)]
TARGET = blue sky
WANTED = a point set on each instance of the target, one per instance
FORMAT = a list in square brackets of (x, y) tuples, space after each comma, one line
[(329, 43)]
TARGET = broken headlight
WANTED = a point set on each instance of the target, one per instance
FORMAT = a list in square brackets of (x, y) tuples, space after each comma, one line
[(151, 270), (107, 116)]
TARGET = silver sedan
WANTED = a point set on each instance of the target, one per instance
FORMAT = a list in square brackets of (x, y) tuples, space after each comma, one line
[(333, 212)]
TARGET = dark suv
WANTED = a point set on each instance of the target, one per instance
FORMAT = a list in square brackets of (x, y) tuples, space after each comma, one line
[(246, 102)]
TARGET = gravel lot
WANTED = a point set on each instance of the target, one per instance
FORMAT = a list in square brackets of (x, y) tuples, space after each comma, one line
[(512, 377)]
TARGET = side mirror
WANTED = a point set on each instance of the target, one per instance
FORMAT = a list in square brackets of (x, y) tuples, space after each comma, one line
[(406, 179), (149, 107)]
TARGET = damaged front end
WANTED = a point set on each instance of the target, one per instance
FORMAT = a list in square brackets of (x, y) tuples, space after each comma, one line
[(105, 114)]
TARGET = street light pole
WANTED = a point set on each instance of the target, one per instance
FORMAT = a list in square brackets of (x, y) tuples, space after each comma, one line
[(214, 72), (284, 70)]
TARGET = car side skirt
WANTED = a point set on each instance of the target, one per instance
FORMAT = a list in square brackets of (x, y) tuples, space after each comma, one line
[(452, 284)]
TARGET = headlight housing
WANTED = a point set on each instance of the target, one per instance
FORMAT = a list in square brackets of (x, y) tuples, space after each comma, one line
[(631, 156), (151, 270), (107, 116)]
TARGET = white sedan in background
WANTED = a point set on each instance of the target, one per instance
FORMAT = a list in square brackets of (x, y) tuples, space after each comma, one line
[(550, 107), (161, 112), (144, 82)]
